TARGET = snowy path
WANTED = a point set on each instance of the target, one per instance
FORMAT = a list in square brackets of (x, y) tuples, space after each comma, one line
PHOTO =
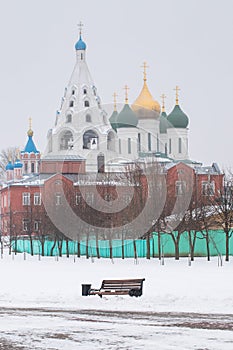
[(51, 329)]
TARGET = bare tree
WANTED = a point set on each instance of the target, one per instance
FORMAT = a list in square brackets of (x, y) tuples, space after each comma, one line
[(223, 206), (8, 154)]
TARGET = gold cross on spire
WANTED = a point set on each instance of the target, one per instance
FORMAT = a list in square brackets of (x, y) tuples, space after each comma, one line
[(126, 88), (80, 25), (163, 96), (144, 66), (30, 132), (115, 101), (177, 89)]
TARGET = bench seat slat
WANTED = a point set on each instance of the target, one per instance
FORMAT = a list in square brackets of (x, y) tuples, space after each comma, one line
[(119, 287)]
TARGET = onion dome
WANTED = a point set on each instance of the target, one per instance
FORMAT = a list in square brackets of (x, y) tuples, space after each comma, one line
[(18, 164), (30, 146), (80, 45), (163, 125), (9, 166), (177, 118), (145, 102), (113, 120), (127, 118)]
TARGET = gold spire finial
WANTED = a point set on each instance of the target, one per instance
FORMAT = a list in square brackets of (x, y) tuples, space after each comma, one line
[(18, 153), (177, 89), (144, 66), (163, 96), (126, 88), (30, 132), (115, 101), (80, 25)]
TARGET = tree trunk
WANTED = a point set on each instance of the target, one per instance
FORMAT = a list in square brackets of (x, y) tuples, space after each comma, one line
[(110, 248), (148, 246), (53, 246), (122, 248), (207, 246), (177, 252), (192, 242), (1, 248), (159, 245), (31, 245), (42, 246), (135, 249), (67, 248), (78, 248), (60, 247), (227, 246), (87, 242), (153, 247), (97, 245)]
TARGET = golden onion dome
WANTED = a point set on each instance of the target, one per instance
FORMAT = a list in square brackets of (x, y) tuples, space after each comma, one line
[(145, 101), (30, 132), (145, 105)]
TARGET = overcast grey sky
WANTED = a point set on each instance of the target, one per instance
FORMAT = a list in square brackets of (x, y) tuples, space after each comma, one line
[(185, 42)]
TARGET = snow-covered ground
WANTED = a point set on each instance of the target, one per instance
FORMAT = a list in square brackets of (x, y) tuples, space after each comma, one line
[(175, 286), (41, 305)]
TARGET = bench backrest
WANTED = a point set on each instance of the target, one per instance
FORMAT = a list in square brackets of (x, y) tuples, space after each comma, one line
[(123, 284)]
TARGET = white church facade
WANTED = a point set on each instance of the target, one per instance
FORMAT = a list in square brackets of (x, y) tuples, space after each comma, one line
[(108, 141)]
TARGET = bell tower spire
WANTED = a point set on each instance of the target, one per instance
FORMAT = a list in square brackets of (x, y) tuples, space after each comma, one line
[(80, 46)]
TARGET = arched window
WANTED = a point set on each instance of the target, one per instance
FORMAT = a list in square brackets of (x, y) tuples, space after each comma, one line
[(71, 104), (32, 167), (111, 141), (68, 118), (90, 140), (84, 91), (86, 103), (88, 118), (66, 140)]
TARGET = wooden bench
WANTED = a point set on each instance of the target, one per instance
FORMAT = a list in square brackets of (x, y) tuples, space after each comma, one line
[(132, 287)]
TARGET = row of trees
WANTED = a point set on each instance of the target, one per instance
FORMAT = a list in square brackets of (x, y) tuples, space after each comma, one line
[(151, 208)]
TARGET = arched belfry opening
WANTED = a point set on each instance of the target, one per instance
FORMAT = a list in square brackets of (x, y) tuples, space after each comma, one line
[(111, 141), (90, 140), (100, 163), (66, 140)]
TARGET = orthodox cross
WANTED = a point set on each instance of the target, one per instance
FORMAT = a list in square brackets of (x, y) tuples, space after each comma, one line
[(80, 25), (163, 96), (177, 89), (144, 66), (126, 88), (115, 101)]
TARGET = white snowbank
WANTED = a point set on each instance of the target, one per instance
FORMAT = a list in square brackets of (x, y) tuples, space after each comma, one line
[(202, 287)]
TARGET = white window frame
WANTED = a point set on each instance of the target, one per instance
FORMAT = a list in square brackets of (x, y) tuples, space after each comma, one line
[(208, 188), (25, 224), (180, 188), (26, 198), (36, 225), (89, 197), (58, 198), (78, 199), (37, 198)]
